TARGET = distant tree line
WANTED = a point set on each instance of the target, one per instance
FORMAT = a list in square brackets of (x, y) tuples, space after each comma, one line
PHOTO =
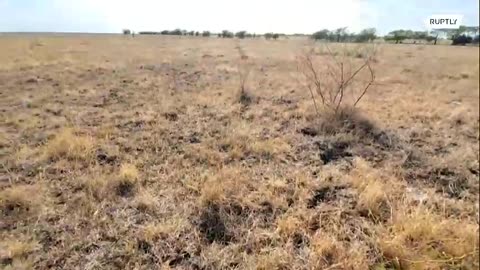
[(223, 34), (342, 35), (457, 36)]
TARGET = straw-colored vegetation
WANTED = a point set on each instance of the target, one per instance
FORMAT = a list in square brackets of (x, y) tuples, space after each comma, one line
[(155, 153)]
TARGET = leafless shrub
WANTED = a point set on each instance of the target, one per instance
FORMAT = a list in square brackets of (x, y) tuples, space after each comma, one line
[(244, 69), (336, 80)]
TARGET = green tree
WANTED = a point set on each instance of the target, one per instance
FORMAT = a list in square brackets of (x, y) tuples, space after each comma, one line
[(365, 35), (268, 35), (205, 33), (241, 34), (422, 35), (341, 33), (227, 34), (323, 34), (398, 35), (176, 32)]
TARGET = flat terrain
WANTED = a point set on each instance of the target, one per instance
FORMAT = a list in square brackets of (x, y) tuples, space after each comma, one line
[(139, 153)]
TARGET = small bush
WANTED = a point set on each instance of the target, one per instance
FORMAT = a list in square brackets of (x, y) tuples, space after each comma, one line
[(336, 84), (244, 68)]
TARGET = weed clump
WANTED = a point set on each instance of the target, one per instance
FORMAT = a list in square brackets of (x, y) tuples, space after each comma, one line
[(71, 146)]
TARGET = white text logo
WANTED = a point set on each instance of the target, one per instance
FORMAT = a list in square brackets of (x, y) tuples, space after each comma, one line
[(444, 21)]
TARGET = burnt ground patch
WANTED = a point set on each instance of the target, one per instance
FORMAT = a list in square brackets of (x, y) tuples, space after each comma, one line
[(349, 134), (328, 194), (331, 151), (226, 222), (212, 225), (445, 180)]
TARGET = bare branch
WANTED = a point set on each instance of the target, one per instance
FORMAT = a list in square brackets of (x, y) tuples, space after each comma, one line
[(372, 79), (332, 83), (316, 81)]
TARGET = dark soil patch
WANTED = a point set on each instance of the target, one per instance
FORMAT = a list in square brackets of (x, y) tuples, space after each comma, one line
[(245, 98), (449, 181), (32, 80), (446, 180), (332, 151), (349, 134), (104, 158), (325, 194), (309, 131), (171, 116), (194, 138), (179, 259), (299, 240), (125, 189), (212, 226)]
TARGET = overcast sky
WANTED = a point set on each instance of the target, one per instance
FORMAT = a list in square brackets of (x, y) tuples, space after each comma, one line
[(285, 16)]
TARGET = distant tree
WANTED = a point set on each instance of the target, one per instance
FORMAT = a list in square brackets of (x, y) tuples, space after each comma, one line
[(323, 34), (268, 35), (184, 32), (197, 34), (148, 33), (421, 35), (341, 33), (365, 35), (227, 34), (462, 40), (275, 36), (176, 32), (165, 32), (241, 34), (126, 31), (205, 34), (461, 30), (254, 35), (398, 35)]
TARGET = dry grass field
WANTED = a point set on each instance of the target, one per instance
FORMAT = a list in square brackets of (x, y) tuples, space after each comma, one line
[(138, 153)]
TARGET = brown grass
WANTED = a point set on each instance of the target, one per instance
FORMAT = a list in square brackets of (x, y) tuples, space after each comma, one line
[(135, 153)]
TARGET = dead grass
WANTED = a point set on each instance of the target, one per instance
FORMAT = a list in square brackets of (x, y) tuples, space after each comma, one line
[(21, 201), (424, 239), (137, 154), (69, 145)]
